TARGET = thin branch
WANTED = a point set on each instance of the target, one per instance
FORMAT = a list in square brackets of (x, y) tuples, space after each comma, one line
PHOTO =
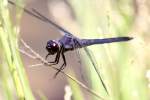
[(35, 65), (25, 53), (36, 56)]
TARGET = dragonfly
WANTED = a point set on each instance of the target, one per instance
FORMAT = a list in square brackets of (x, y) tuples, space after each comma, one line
[(68, 42)]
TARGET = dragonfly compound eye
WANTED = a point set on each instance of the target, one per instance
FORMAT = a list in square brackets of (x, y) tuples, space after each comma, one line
[(52, 47)]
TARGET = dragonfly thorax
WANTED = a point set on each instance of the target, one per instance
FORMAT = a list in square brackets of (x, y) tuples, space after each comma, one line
[(52, 47)]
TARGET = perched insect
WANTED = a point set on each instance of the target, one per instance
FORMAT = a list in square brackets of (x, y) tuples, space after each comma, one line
[(69, 42)]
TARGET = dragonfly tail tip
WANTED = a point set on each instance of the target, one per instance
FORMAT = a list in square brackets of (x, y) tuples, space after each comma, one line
[(130, 38)]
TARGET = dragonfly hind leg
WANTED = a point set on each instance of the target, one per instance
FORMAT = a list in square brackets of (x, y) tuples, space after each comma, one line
[(62, 66), (60, 69)]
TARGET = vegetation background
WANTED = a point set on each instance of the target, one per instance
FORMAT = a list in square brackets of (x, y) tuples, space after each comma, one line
[(124, 67)]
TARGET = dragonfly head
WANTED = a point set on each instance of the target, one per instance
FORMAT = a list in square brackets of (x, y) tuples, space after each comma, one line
[(52, 47)]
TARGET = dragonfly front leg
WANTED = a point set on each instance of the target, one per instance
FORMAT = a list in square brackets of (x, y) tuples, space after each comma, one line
[(47, 56), (56, 61)]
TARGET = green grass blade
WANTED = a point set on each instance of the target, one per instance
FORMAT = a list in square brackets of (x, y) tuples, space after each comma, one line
[(9, 41)]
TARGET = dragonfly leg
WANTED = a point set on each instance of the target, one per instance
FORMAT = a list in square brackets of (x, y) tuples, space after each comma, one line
[(63, 65), (61, 68), (47, 56), (56, 61), (64, 59)]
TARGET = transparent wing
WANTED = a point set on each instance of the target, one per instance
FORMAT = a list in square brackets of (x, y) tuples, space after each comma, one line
[(93, 61), (41, 17), (94, 64), (45, 19)]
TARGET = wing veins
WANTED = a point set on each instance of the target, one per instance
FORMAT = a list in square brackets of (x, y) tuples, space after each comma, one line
[(41, 17)]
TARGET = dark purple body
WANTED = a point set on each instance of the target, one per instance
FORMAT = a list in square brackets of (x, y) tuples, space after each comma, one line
[(71, 42)]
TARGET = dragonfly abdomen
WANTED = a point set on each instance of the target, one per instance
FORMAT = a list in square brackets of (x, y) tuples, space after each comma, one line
[(88, 42)]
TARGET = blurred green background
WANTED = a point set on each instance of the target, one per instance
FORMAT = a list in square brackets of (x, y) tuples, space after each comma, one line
[(124, 67)]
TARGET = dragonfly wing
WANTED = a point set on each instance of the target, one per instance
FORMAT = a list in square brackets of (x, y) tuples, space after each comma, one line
[(45, 19), (41, 17), (65, 33), (93, 61)]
